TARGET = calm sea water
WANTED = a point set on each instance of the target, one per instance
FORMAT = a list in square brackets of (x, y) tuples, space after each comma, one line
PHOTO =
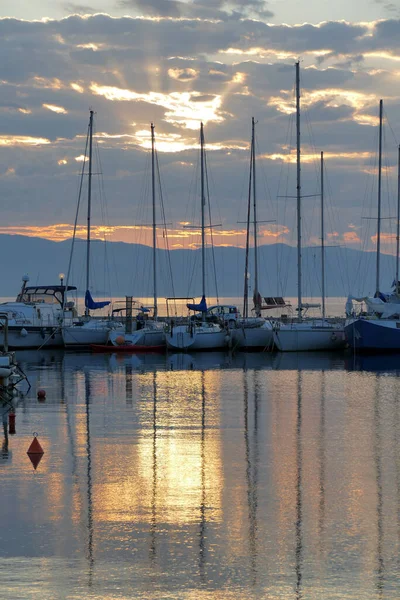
[(203, 476)]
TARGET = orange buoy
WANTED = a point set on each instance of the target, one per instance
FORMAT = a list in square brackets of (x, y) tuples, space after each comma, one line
[(120, 340), (35, 451), (11, 423), (41, 394)]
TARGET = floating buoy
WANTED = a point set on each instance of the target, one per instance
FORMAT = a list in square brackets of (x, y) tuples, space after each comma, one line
[(23, 332), (11, 423), (35, 451), (41, 394), (120, 340)]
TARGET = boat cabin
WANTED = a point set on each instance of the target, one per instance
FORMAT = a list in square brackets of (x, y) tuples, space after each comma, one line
[(46, 294)]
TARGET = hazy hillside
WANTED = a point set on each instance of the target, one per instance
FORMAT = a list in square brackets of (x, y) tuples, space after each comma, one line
[(118, 269)]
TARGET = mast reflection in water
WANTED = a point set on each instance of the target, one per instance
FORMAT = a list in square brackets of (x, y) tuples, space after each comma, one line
[(215, 476)]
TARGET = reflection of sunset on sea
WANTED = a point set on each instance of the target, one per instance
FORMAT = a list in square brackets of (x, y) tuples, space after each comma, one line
[(163, 465)]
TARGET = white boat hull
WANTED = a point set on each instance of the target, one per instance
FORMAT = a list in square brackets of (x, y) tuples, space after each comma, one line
[(84, 336), (143, 337), (253, 337), (32, 337), (185, 337), (304, 337)]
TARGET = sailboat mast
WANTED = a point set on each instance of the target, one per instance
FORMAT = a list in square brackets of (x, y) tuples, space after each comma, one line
[(398, 225), (89, 205), (256, 303), (153, 189), (322, 237), (299, 295), (378, 236), (246, 264), (203, 201)]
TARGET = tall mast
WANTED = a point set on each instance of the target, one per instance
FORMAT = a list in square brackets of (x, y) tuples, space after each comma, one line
[(203, 201), (256, 304), (246, 265), (89, 206), (378, 236), (322, 236), (153, 189), (398, 226), (299, 298)]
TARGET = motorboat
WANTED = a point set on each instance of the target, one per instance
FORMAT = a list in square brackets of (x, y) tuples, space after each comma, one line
[(36, 317)]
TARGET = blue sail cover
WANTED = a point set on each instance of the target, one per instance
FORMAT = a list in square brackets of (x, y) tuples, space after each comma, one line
[(202, 306), (91, 304)]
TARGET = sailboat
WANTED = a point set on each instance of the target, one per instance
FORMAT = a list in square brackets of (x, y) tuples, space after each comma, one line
[(148, 332), (87, 330), (306, 334), (378, 329), (252, 332), (203, 335)]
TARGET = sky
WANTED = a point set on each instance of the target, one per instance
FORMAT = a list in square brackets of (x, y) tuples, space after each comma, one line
[(178, 64)]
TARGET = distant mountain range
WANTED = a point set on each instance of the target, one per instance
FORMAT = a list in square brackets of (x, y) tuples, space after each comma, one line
[(119, 269)]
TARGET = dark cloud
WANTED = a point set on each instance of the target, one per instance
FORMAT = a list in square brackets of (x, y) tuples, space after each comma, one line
[(165, 70), (199, 9)]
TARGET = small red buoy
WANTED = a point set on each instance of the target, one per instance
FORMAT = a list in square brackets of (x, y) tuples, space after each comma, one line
[(35, 451), (11, 423), (120, 340), (41, 394)]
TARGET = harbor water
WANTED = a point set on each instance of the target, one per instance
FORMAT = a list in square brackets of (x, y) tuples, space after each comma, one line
[(203, 476)]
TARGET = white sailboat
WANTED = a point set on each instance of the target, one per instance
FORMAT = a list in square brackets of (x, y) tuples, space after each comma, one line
[(146, 332), (87, 331), (252, 332), (194, 335), (307, 334)]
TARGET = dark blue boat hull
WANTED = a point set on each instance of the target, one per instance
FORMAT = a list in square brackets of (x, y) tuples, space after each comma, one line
[(372, 336)]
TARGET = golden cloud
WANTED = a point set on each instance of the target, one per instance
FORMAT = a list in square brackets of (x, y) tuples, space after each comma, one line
[(179, 236), (22, 140), (182, 108), (57, 109)]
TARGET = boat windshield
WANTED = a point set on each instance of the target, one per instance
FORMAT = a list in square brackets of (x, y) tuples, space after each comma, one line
[(43, 295)]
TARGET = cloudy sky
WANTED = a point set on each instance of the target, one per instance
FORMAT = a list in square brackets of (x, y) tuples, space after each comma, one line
[(177, 64)]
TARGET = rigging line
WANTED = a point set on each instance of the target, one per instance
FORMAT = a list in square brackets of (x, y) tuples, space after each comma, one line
[(208, 173), (139, 217), (211, 229), (165, 229), (106, 221), (268, 203), (331, 217), (284, 278), (76, 215), (279, 252), (102, 205), (191, 259), (286, 249), (395, 138), (369, 184), (333, 222), (387, 188)]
